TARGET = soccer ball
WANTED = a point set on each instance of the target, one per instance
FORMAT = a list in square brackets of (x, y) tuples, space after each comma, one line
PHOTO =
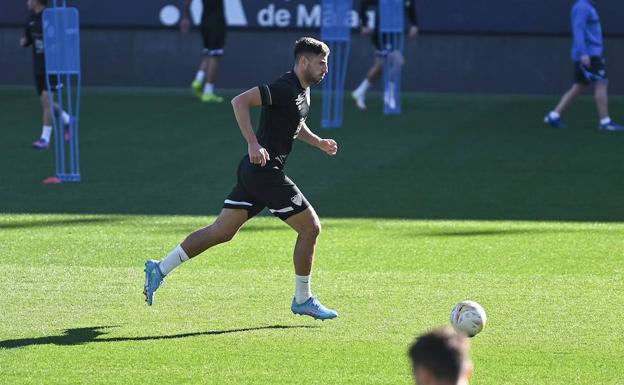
[(468, 317)]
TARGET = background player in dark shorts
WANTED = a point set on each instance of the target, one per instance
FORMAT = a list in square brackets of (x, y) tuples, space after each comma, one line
[(589, 67), (381, 49), (213, 28), (33, 36), (261, 181), (588, 74)]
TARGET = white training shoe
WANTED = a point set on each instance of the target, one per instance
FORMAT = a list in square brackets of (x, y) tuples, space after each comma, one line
[(389, 100), (359, 100)]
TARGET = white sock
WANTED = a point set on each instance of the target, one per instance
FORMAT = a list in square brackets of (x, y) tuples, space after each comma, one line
[(208, 88), (363, 87), (65, 117), (302, 288), (46, 131), (606, 120), (173, 260), (200, 76), (554, 115)]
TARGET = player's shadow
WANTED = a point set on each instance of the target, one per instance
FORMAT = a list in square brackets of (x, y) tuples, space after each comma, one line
[(497, 232), (76, 336), (491, 232), (80, 336)]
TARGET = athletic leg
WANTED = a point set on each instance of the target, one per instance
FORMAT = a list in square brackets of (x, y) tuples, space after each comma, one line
[(308, 227), (359, 95), (567, 98), (221, 230), (46, 130), (602, 104), (602, 99), (553, 118)]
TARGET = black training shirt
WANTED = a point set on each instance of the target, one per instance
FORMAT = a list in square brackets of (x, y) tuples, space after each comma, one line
[(285, 106), (213, 9), (34, 37)]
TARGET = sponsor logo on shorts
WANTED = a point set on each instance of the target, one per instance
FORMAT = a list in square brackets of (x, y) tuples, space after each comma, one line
[(297, 199)]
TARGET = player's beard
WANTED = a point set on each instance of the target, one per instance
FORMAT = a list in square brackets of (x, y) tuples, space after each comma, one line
[(313, 79)]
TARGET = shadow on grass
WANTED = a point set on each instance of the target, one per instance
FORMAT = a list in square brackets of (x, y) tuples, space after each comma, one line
[(80, 336), (499, 232), (483, 233), (54, 222)]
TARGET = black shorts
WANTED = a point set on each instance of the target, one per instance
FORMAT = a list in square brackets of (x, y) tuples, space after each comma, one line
[(213, 35), (595, 72), (41, 85), (382, 48), (383, 43), (268, 186)]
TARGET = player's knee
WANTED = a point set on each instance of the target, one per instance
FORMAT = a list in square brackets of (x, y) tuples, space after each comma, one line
[(45, 101), (226, 236), (313, 230), (580, 88), (601, 85), (222, 234)]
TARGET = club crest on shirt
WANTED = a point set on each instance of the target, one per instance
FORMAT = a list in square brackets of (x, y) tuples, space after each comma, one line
[(297, 199), (303, 104), (300, 99)]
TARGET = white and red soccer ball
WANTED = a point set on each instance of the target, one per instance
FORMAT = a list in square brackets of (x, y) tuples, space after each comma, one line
[(468, 317)]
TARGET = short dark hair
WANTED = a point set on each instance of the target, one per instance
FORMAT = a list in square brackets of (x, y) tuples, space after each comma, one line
[(43, 2), (310, 45), (443, 352)]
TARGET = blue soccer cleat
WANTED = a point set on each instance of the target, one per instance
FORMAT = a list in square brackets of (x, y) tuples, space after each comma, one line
[(153, 279), (556, 123), (313, 308), (611, 126)]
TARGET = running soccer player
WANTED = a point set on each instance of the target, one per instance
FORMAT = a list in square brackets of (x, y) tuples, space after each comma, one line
[(213, 35), (589, 66), (33, 36), (261, 179), (381, 50)]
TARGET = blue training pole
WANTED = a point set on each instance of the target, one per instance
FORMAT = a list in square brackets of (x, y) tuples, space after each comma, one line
[(336, 33), (61, 37), (392, 41)]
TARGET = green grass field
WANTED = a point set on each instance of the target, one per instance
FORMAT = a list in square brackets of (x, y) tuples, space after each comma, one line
[(461, 197)]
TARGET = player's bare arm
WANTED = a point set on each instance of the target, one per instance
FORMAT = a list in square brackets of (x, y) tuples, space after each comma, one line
[(242, 104), (329, 146)]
